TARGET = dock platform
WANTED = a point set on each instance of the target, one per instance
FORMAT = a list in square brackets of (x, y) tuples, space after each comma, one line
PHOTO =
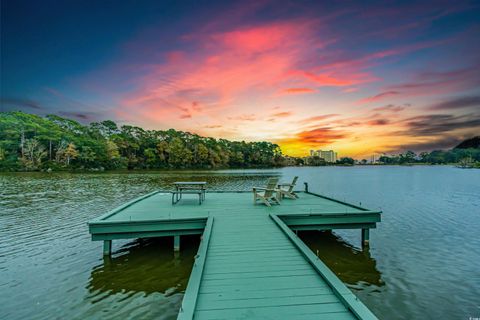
[(250, 263)]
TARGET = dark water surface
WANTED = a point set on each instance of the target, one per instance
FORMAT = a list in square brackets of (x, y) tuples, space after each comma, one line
[(423, 261)]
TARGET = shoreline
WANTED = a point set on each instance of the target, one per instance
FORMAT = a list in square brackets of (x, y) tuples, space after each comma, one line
[(173, 170)]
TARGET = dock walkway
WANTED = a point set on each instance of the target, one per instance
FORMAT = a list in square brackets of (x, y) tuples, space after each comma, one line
[(250, 265)]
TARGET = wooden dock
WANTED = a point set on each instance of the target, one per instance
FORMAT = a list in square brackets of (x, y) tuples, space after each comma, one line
[(250, 263)]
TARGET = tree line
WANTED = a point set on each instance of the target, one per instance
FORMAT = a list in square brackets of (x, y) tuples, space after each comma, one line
[(30, 142), (461, 156)]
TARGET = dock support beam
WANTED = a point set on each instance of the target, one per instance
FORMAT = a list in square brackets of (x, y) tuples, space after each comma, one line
[(176, 243), (365, 237), (107, 247)]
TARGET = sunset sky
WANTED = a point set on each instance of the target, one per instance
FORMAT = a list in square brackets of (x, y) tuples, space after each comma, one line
[(307, 75)]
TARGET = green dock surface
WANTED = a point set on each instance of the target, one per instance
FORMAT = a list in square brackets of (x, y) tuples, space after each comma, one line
[(250, 264)]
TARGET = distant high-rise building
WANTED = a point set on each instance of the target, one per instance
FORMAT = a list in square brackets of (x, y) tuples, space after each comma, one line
[(329, 156)]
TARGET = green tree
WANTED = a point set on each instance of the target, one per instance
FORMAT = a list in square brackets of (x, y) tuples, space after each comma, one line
[(202, 154), (70, 153), (179, 156), (150, 157), (87, 155), (346, 161), (112, 150), (70, 144), (33, 154)]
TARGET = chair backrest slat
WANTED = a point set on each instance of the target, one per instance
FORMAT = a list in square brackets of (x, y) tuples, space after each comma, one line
[(290, 189), (271, 185)]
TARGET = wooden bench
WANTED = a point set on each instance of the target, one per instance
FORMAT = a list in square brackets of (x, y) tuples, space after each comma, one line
[(177, 195), (189, 187)]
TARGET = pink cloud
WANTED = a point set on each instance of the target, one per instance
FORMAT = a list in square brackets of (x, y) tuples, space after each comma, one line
[(340, 77), (243, 67), (226, 67), (244, 117), (259, 39), (317, 119), (349, 90), (441, 82), (379, 96), (389, 108)]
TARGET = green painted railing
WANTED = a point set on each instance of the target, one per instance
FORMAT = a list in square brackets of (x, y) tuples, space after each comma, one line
[(126, 205), (191, 294), (340, 290)]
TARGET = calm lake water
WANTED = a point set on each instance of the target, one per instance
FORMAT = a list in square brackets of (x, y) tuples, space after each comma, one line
[(423, 261)]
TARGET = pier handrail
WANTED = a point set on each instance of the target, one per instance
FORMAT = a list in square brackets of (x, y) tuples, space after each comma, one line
[(191, 293), (339, 289), (124, 206)]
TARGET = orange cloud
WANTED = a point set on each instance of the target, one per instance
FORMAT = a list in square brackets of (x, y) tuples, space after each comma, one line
[(227, 77), (282, 114), (244, 117), (378, 122), (297, 90), (321, 136)]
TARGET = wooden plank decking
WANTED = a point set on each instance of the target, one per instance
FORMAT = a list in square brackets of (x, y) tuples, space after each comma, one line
[(250, 265)]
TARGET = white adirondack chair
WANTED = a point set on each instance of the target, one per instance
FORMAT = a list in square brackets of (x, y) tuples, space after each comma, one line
[(286, 189), (269, 194)]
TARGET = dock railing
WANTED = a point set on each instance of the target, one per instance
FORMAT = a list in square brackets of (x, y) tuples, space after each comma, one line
[(339, 289), (191, 293)]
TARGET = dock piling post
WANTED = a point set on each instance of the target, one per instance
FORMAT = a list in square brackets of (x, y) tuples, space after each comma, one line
[(365, 237), (176, 243), (306, 186), (107, 247)]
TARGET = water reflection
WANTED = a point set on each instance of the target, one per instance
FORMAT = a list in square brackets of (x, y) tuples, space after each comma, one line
[(145, 265), (353, 266)]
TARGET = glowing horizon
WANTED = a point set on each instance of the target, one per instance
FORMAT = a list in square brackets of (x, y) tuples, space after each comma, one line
[(358, 80)]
